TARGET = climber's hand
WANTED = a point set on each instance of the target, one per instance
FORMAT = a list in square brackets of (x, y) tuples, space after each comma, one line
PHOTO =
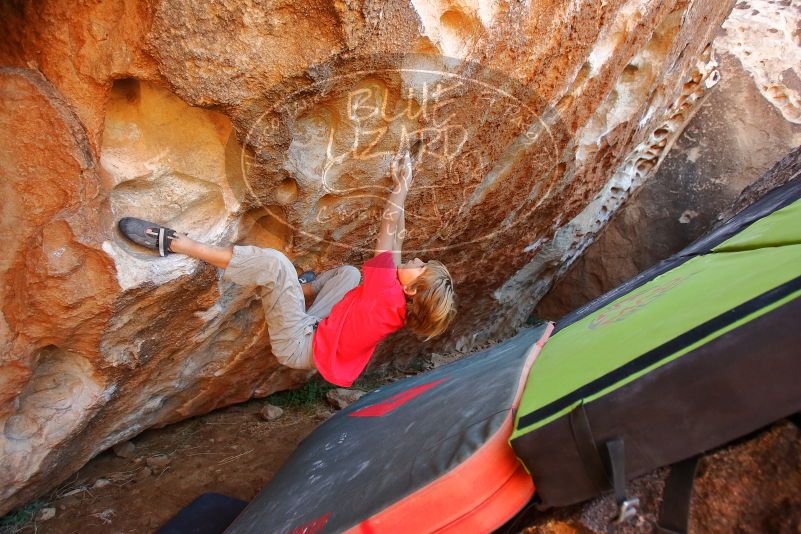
[(402, 171)]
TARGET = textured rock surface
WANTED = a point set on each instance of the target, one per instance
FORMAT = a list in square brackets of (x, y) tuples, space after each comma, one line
[(273, 123), (765, 36), (738, 133)]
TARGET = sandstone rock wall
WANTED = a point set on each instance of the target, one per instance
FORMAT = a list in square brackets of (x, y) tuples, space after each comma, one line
[(274, 123), (765, 37), (738, 133)]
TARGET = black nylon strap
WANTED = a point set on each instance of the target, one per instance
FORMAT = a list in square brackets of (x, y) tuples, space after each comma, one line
[(587, 449), (617, 465), (675, 511), (603, 475), (627, 508)]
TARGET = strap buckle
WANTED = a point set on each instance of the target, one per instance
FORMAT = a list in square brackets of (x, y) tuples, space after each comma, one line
[(629, 509)]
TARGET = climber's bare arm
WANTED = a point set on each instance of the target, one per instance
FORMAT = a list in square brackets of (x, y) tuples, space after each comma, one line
[(392, 229), (217, 256)]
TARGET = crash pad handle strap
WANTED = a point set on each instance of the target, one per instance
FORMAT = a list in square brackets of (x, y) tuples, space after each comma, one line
[(674, 513), (627, 509), (676, 497), (587, 449), (617, 463), (603, 475)]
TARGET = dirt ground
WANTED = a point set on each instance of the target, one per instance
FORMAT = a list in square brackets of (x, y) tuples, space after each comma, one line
[(233, 451)]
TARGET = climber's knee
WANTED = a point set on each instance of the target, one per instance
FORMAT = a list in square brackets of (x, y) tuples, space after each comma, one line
[(351, 276)]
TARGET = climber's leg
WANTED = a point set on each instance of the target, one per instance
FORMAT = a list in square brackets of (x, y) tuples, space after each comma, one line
[(217, 256), (168, 241), (329, 288), (291, 329)]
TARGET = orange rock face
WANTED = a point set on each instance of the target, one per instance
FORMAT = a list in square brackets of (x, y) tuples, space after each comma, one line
[(274, 124)]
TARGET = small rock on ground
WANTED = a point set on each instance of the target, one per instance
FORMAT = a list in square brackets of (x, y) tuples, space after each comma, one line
[(76, 491), (126, 449), (101, 483), (271, 413), (340, 398), (45, 514), (144, 473), (158, 461), (438, 360)]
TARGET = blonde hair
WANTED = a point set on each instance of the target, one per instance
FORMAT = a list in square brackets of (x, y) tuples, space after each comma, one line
[(433, 305)]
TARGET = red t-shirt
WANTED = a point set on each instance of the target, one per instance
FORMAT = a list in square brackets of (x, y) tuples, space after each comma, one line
[(345, 340)]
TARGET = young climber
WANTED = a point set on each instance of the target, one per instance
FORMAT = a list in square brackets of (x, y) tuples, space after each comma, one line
[(346, 321)]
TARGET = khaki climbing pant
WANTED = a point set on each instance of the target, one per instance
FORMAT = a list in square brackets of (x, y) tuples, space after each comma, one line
[(290, 325)]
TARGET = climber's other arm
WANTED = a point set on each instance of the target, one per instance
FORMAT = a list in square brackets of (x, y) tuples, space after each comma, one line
[(392, 229)]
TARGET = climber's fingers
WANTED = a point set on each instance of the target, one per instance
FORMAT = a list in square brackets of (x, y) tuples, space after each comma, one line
[(402, 169)]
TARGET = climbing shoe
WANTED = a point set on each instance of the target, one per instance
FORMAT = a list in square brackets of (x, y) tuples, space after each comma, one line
[(147, 234)]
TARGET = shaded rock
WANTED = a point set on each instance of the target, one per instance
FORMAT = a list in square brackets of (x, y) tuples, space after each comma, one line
[(341, 398), (126, 449), (270, 412), (788, 168), (735, 136)]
